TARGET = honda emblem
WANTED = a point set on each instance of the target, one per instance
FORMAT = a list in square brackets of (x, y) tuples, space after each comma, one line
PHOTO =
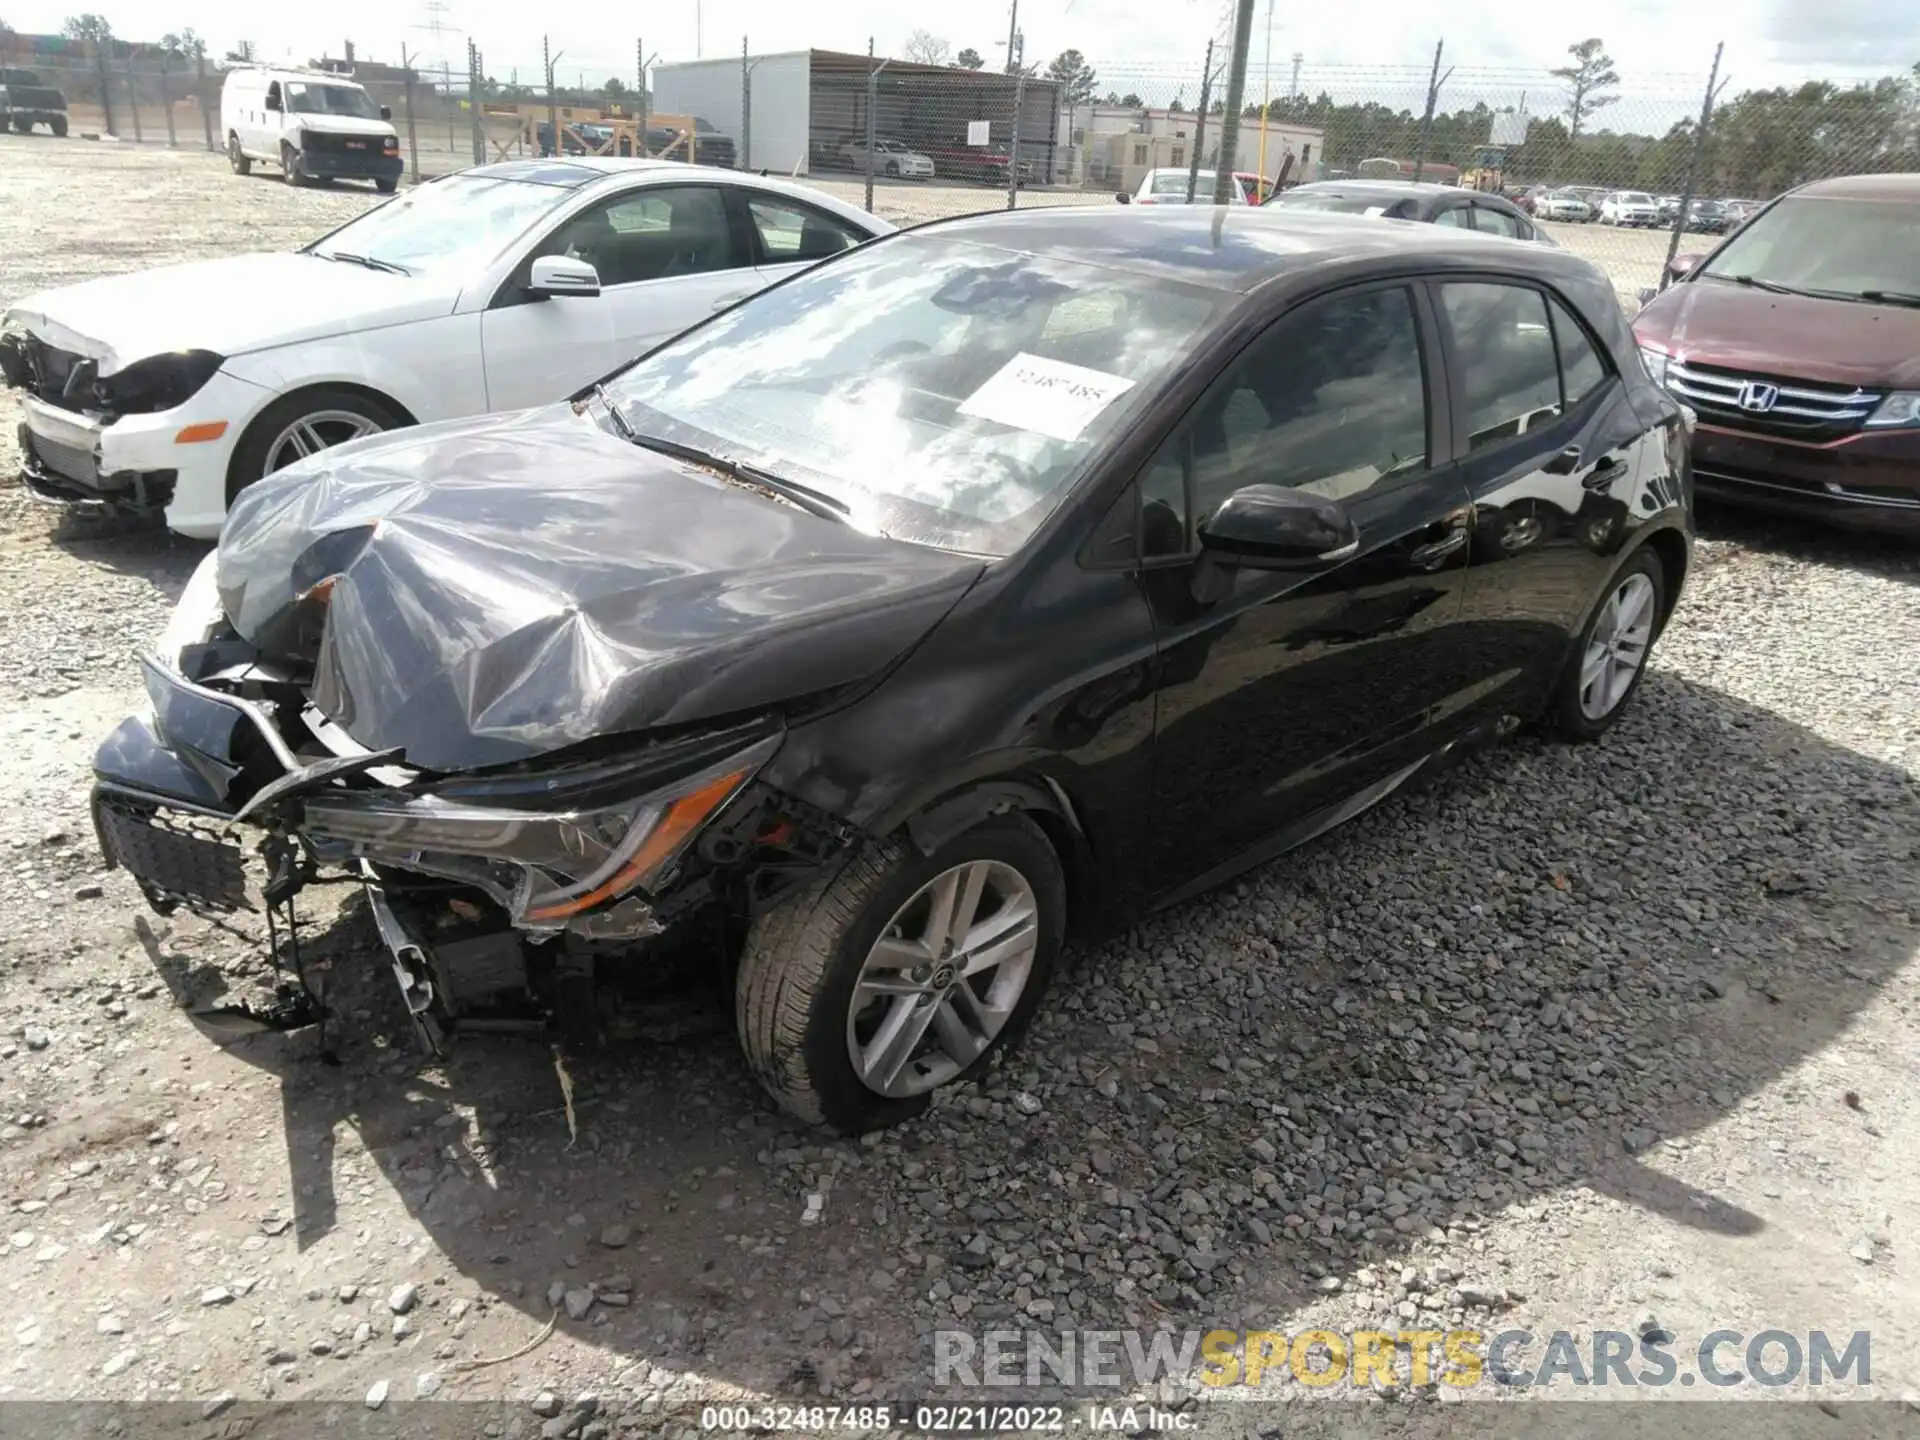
[(1757, 397)]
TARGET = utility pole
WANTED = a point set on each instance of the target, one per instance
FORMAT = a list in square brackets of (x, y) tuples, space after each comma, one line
[(1266, 100), (1018, 55), (1434, 81), (1013, 37), (745, 160), (1236, 97), (1293, 85), (1693, 164), (873, 100), (699, 51), (549, 59), (1200, 123)]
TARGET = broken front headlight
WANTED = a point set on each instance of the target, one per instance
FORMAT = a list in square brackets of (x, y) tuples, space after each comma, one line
[(546, 865)]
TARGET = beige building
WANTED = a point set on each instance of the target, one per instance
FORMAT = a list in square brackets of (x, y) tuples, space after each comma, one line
[(1113, 147)]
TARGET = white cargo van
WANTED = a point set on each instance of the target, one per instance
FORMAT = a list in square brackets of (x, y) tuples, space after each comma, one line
[(313, 124)]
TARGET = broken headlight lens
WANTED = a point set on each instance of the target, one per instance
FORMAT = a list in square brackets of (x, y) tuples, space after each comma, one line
[(160, 382), (550, 865)]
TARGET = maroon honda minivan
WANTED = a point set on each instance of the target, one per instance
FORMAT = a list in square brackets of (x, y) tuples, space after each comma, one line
[(1797, 344)]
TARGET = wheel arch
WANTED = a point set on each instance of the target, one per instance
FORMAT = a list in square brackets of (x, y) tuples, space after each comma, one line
[(355, 388), (1670, 544), (1041, 799)]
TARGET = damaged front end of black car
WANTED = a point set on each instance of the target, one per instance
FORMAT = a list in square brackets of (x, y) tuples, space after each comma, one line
[(538, 747)]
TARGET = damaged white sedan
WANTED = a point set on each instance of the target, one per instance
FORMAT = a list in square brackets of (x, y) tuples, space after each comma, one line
[(501, 287)]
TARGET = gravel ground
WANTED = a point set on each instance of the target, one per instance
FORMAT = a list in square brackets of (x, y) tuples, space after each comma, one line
[(1617, 1037)]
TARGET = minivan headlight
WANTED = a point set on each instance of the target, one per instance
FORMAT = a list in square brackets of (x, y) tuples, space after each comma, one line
[(1902, 407), (1656, 363)]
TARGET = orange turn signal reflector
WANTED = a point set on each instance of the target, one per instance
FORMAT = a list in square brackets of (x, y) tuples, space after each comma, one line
[(195, 434), (683, 817), (320, 591)]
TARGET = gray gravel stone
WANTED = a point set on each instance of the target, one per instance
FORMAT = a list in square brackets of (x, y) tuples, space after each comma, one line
[(404, 1297)]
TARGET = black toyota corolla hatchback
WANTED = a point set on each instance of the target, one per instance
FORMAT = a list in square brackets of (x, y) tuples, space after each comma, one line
[(981, 587)]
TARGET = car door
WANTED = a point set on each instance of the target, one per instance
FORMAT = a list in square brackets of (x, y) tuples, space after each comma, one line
[(1285, 693), (1549, 448), (789, 235), (668, 256)]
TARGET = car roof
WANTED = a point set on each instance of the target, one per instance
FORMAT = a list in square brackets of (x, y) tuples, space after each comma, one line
[(1865, 187), (1240, 247), (1380, 187)]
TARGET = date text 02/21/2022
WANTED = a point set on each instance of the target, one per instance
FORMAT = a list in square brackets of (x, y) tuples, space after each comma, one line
[(944, 1418)]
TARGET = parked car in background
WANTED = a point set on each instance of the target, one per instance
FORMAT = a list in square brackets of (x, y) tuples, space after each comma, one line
[(313, 124), (1738, 212), (1797, 343), (990, 585), (26, 100), (1634, 208), (1444, 205), (891, 157), (708, 145), (1666, 209), (1707, 217), (1562, 205), (1593, 195), (1169, 187), (1257, 188), (494, 288)]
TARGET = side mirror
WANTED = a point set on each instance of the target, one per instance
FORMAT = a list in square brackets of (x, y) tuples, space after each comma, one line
[(272, 102), (555, 277), (1271, 527), (1125, 197), (386, 112), (1684, 263)]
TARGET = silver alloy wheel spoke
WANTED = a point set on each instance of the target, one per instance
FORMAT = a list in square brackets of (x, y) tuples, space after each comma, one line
[(310, 434), (1617, 647), (943, 979)]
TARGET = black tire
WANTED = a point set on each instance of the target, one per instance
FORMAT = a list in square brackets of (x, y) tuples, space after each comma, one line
[(250, 455), (1565, 717), (893, 170), (387, 187), (798, 971), (59, 127), (20, 125), (291, 170), (237, 158)]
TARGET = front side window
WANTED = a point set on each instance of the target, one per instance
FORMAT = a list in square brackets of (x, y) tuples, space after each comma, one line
[(947, 393), (657, 233), (1331, 400), (790, 231), (1509, 371)]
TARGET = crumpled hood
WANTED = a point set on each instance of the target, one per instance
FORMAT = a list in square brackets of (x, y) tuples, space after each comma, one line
[(515, 584), (232, 306), (1839, 342)]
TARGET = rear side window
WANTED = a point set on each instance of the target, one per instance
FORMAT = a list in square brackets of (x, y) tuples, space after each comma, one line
[(1497, 222), (1509, 370)]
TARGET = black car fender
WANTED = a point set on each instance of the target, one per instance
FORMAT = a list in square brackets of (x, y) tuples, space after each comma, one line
[(953, 814)]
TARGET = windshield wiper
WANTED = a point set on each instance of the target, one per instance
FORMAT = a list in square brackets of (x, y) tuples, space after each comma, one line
[(1754, 282), (1892, 297), (367, 260), (627, 432), (815, 502)]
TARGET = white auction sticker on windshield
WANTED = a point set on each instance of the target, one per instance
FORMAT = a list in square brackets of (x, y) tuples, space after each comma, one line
[(1048, 397)]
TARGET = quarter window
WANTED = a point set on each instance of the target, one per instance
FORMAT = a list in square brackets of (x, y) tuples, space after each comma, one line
[(1496, 222), (1457, 217), (1508, 368), (790, 232), (1332, 400), (1582, 371)]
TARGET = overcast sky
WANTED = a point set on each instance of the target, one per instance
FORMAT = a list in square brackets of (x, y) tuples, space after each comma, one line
[(1142, 45)]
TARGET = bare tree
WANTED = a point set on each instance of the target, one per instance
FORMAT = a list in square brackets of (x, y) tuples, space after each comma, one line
[(926, 48), (1589, 78)]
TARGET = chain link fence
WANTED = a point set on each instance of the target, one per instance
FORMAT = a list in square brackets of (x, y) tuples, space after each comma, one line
[(1623, 172)]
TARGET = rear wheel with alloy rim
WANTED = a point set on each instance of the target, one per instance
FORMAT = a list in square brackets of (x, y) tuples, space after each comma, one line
[(1610, 660), (901, 974)]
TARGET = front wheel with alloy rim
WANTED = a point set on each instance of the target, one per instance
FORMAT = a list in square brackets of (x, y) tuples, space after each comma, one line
[(1610, 660), (900, 974), (304, 424)]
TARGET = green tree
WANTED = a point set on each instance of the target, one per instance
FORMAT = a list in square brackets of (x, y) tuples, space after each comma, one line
[(1075, 77), (614, 88), (1590, 80), (1133, 101), (88, 28), (969, 59)]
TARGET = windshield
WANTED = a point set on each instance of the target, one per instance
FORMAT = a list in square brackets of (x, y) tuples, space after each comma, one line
[(449, 224), (305, 99), (946, 393), (1845, 246), (1174, 182)]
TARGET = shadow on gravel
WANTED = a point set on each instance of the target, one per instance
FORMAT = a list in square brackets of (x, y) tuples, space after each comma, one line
[(139, 546), (1892, 556), (1514, 982)]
